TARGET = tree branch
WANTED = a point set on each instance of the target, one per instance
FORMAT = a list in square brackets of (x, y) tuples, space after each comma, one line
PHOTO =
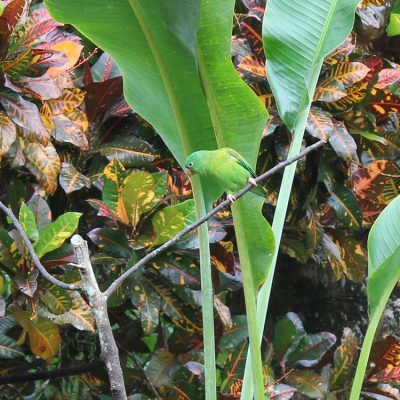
[(210, 214), (32, 252), (98, 302), (49, 374)]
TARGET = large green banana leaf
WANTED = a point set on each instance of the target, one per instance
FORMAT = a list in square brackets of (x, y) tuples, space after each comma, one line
[(193, 99)]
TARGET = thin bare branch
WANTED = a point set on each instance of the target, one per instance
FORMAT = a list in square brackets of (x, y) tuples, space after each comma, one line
[(210, 214), (32, 252)]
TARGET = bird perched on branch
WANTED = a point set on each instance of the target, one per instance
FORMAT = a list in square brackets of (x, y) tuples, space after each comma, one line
[(227, 168)]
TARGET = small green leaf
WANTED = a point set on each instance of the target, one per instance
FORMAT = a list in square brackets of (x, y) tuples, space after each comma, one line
[(52, 236), (28, 221), (130, 151), (171, 220), (139, 195)]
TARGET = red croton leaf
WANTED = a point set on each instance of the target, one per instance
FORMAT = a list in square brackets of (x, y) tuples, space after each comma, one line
[(387, 77)]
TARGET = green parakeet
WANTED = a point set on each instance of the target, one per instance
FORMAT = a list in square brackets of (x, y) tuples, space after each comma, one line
[(226, 167)]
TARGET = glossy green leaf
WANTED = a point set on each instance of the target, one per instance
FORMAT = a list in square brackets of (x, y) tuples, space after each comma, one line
[(27, 219), (287, 331), (52, 236), (8, 346), (171, 220), (130, 151), (112, 241), (343, 201), (295, 45)]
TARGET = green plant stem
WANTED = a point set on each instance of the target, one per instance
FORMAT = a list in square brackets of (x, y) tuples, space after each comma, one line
[(364, 355), (206, 295), (250, 296), (390, 269), (279, 222)]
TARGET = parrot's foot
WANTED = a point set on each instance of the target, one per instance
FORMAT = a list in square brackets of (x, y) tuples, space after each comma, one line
[(231, 198), (252, 181)]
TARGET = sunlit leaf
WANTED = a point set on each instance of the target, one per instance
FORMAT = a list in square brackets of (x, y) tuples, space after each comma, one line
[(44, 336), (27, 219), (52, 236), (346, 73), (71, 51), (171, 220), (114, 180), (139, 195), (69, 100)]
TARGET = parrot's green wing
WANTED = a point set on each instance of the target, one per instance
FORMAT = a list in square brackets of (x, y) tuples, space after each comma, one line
[(241, 161), (259, 190)]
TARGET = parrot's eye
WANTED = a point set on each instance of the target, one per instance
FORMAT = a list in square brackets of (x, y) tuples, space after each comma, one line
[(190, 165)]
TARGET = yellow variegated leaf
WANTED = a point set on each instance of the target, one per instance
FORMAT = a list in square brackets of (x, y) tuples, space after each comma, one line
[(68, 102), (44, 336), (8, 134), (72, 52), (113, 177), (347, 73), (355, 94), (44, 163), (79, 315)]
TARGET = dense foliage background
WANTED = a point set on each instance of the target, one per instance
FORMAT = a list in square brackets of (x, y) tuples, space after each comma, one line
[(72, 151)]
